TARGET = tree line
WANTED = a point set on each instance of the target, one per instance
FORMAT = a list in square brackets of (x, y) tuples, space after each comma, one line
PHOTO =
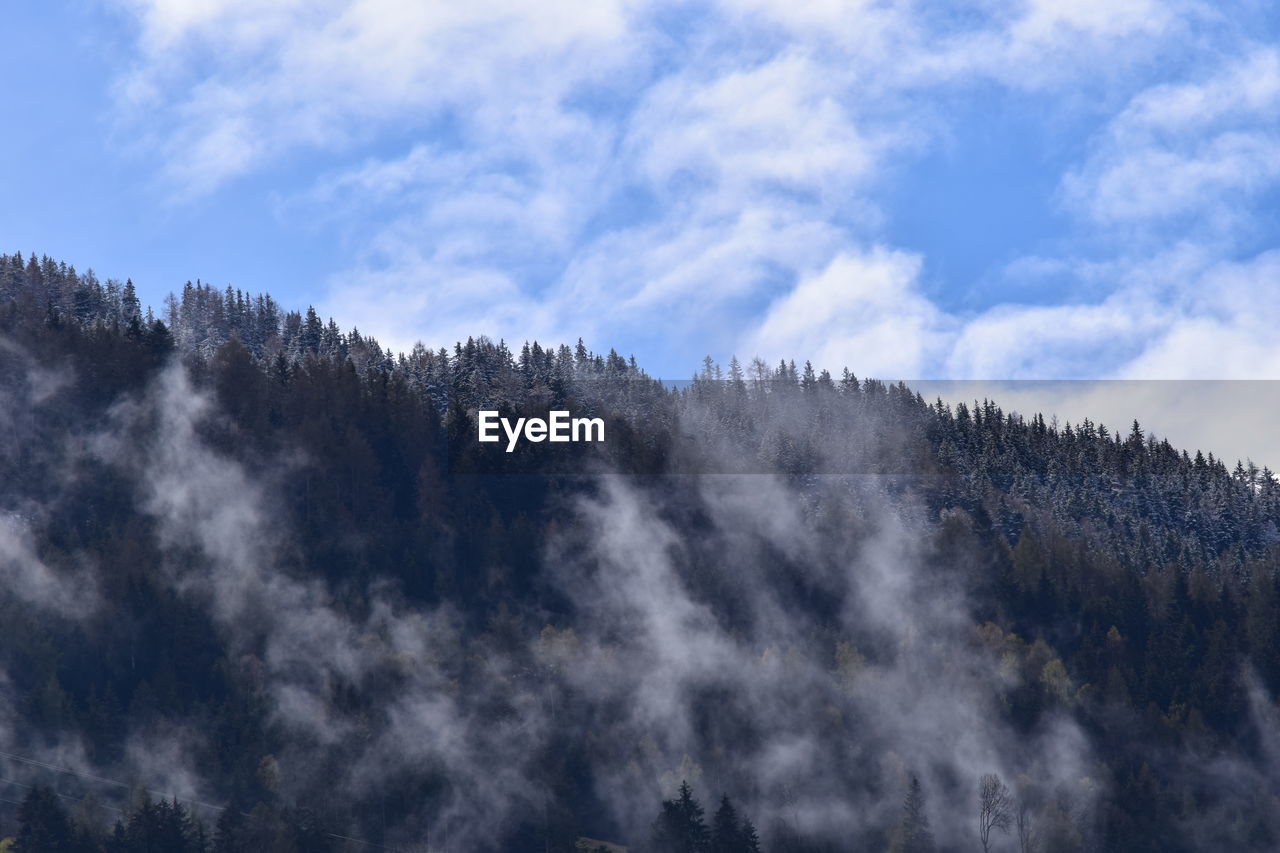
[(1128, 585)]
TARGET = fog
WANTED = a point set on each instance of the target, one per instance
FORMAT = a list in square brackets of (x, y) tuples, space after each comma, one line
[(804, 646)]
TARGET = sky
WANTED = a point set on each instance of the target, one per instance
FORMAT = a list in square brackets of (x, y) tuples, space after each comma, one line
[(994, 190)]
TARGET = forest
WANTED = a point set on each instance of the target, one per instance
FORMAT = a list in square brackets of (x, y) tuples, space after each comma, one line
[(264, 591)]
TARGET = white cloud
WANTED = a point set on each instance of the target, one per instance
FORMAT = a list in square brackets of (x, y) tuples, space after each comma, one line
[(709, 172), (268, 77), (455, 301), (778, 123), (745, 167), (1179, 315), (861, 310), (1043, 21), (1154, 183), (699, 261), (1050, 341), (1225, 328), (1187, 149), (1247, 87)]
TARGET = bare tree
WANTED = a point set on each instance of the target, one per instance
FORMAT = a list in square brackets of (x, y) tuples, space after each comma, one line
[(1026, 836), (994, 807)]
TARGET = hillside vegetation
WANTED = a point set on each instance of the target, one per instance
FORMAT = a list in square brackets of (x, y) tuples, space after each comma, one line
[(264, 591)]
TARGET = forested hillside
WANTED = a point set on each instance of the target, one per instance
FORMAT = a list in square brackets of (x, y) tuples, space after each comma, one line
[(264, 591)]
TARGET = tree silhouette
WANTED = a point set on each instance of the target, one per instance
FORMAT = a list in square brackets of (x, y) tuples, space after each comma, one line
[(731, 833), (994, 806), (915, 834), (680, 827), (43, 826)]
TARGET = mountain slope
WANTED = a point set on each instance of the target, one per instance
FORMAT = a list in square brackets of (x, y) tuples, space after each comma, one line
[(256, 562)]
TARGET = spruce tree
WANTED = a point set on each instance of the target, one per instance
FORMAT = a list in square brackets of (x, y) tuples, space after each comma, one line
[(726, 835), (43, 826), (680, 827), (915, 833), (731, 833)]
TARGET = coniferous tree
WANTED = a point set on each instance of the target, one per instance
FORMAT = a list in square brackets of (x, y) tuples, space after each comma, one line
[(726, 834), (43, 825), (731, 833), (228, 834), (680, 827), (130, 305), (1144, 579), (915, 836)]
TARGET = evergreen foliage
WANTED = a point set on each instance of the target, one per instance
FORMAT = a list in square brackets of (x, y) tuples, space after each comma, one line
[(1129, 586)]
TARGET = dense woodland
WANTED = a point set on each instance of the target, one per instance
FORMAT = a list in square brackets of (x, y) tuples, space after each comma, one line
[(264, 591)]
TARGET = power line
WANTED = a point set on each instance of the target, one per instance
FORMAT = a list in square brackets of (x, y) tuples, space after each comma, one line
[(56, 794), (105, 781), (102, 779)]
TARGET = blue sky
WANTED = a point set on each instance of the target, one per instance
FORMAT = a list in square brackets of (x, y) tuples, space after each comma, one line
[(990, 190)]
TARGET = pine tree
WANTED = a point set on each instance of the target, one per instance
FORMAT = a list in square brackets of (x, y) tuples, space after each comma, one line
[(229, 832), (43, 826), (726, 834), (311, 333), (809, 379), (680, 827), (731, 834), (130, 306), (914, 833)]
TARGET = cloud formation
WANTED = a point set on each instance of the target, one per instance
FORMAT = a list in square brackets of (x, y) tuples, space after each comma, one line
[(682, 178)]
